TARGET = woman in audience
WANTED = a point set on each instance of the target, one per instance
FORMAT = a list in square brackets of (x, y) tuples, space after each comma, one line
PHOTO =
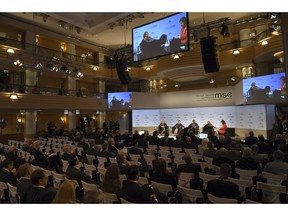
[(112, 182), (93, 197), (161, 175), (66, 193), (122, 162)]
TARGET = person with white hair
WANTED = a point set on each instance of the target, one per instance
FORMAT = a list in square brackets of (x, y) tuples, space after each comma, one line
[(277, 166)]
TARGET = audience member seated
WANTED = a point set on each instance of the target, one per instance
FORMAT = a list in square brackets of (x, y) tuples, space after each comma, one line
[(143, 163), (188, 167), (189, 145), (163, 128), (93, 197), (264, 146), (223, 159), (12, 155), (111, 148), (68, 152), (154, 139), (160, 174), (222, 187), (135, 192), (277, 166), (122, 162), (39, 158), (24, 184), (204, 145), (66, 193), (83, 144), (223, 142), (178, 143), (212, 137), (259, 158), (279, 140), (251, 139), (208, 128), (143, 143), (103, 152), (234, 153), (39, 193), (8, 173), (211, 152), (75, 174), (247, 162), (112, 182)]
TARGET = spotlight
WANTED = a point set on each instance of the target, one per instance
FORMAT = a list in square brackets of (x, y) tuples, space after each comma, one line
[(13, 97), (176, 85), (253, 33), (95, 68), (176, 56), (18, 63), (211, 81), (148, 69), (233, 79), (264, 43)]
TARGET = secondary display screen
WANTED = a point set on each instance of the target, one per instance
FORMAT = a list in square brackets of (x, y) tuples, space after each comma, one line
[(120, 100), (161, 37)]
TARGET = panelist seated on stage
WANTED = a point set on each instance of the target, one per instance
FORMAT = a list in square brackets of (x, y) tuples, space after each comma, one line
[(178, 128), (208, 128), (163, 128)]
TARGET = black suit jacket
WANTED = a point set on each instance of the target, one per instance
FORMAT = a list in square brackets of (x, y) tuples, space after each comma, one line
[(167, 178), (8, 177), (135, 150), (39, 195), (75, 174), (223, 188), (218, 161), (40, 159), (248, 164), (23, 187), (135, 192)]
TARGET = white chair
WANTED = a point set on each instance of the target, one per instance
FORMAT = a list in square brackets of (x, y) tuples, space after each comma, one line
[(209, 160), (122, 179), (248, 201), (90, 169), (149, 159), (162, 188), (189, 195), (242, 184), (246, 174), (270, 192), (273, 178), (184, 179), (65, 165), (110, 198), (88, 187), (90, 158), (102, 172), (3, 187), (134, 157), (13, 194), (57, 179), (143, 180), (101, 161), (219, 200), (123, 201), (207, 177)]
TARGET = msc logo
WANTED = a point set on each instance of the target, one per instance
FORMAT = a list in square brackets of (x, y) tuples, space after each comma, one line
[(223, 95)]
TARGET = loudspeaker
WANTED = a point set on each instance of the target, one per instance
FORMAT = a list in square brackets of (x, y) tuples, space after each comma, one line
[(122, 72), (209, 55)]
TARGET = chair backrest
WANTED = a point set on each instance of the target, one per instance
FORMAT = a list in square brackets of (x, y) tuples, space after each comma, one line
[(242, 184), (270, 192), (246, 174), (219, 200), (89, 169), (273, 178), (184, 179), (110, 198), (101, 161), (207, 177), (57, 179), (123, 201), (3, 187), (143, 180), (65, 165), (88, 187), (248, 201), (162, 188), (134, 157), (13, 194), (90, 158), (209, 160), (189, 195)]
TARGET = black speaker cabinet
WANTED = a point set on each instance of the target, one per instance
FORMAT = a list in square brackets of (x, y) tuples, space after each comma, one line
[(122, 72), (209, 55)]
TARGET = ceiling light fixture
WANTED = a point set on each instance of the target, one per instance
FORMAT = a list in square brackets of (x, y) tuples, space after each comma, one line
[(211, 81), (176, 56), (176, 85), (13, 97), (95, 68), (264, 43), (10, 51), (236, 52), (233, 78), (148, 69)]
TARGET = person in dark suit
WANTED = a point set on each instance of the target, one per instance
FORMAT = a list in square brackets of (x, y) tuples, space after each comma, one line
[(251, 139), (188, 167), (223, 159), (143, 143), (222, 187), (247, 162), (111, 146), (12, 155), (39, 158), (68, 152), (138, 151), (122, 162), (135, 192), (154, 139), (161, 175), (75, 174), (39, 193), (24, 184), (163, 127), (8, 173), (211, 152)]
